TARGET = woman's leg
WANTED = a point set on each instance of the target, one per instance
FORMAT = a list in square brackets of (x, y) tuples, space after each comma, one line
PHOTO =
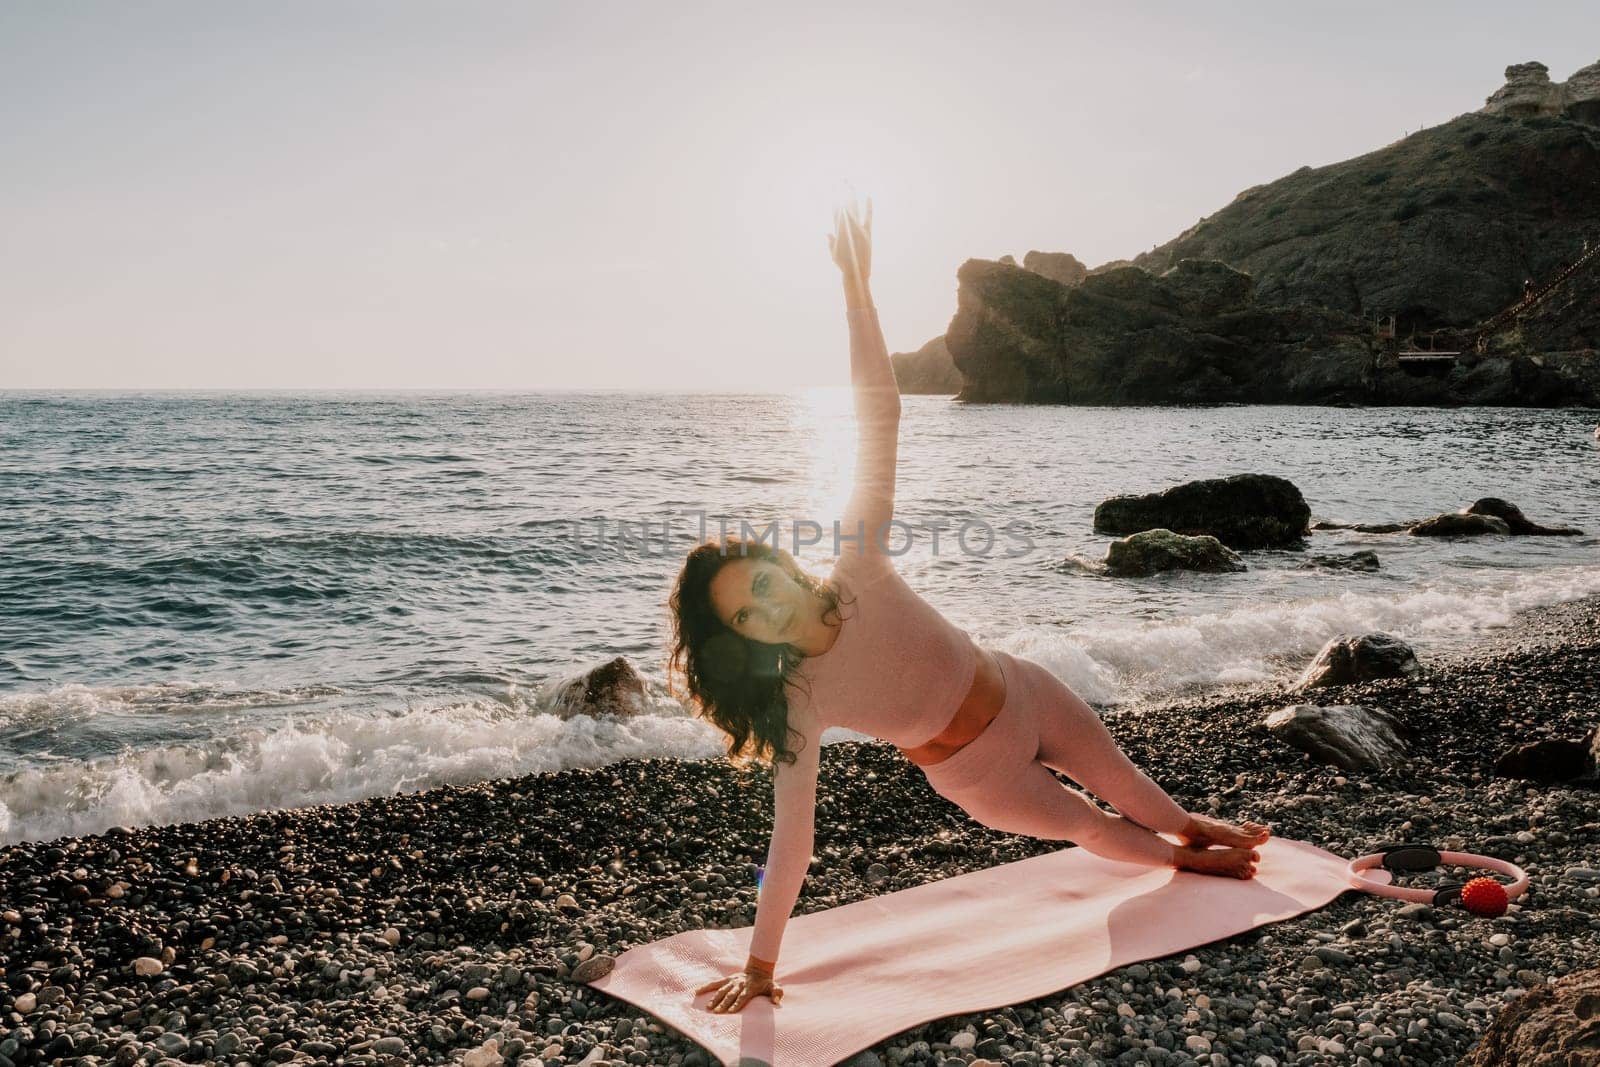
[(1030, 800), (1074, 741), (999, 780)]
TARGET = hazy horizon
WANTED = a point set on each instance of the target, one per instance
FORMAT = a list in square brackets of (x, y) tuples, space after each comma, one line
[(492, 197)]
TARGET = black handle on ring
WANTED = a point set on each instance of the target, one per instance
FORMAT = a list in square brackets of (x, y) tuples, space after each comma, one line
[(1448, 893), (1410, 856)]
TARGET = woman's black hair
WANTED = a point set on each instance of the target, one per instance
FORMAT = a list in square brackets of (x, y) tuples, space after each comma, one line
[(734, 682)]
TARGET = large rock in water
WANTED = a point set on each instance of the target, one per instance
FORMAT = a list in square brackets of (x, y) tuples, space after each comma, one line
[(1355, 738), (1460, 524), (1242, 511), (1152, 551), (613, 688), (1519, 523), (1555, 1025), (1348, 659)]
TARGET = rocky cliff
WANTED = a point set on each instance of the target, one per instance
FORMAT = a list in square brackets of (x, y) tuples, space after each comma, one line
[(927, 370), (1191, 335), (1529, 93), (1277, 296), (1440, 228)]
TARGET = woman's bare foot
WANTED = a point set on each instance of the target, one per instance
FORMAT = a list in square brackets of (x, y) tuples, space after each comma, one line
[(1203, 830), (1229, 862)]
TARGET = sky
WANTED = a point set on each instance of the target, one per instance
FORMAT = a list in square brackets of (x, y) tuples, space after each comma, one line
[(555, 196)]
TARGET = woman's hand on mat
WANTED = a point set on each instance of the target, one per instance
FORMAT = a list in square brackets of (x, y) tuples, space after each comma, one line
[(851, 243), (735, 991)]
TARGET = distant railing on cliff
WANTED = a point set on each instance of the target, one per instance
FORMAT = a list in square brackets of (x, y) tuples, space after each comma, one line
[(1532, 299), (1425, 348)]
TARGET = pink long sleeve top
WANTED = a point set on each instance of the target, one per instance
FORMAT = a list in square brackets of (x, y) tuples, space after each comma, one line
[(898, 669)]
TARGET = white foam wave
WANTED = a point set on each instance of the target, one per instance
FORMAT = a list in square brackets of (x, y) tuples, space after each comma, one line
[(344, 755), (341, 758), (1116, 663)]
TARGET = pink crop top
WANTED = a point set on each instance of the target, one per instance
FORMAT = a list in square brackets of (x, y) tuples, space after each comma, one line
[(897, 669)]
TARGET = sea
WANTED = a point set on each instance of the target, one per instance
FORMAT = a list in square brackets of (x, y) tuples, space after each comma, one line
[(218, 603)]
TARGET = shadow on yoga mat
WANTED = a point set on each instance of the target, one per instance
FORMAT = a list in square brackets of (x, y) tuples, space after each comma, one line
[(856, 974)]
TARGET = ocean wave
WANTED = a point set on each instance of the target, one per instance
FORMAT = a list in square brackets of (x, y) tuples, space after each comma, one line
[(341, 758), (1112, 663), (300, 566), (517, 552), (396, 458), (18, 710), (322, 757)]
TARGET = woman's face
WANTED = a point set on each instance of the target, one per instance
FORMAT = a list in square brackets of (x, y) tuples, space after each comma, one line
[(757, 599)]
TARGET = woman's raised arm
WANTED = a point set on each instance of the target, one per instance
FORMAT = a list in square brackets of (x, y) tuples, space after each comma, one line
[(876, 393)]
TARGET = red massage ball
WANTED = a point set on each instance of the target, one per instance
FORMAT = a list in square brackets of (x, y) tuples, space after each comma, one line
[(1484, 896)]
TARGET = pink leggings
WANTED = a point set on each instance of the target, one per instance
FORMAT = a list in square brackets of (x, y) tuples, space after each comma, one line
[(1002, 777)]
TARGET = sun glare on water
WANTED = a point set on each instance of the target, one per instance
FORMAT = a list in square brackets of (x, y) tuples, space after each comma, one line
[(825, 416)]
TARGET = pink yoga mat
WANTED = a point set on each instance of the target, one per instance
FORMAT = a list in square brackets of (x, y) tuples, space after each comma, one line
[(856, 974)]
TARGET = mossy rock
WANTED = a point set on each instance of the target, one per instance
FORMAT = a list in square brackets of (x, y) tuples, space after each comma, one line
[(1153, 551)]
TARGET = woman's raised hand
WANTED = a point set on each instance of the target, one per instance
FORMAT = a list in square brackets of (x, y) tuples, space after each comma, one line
[(735, 991), (851, 243)]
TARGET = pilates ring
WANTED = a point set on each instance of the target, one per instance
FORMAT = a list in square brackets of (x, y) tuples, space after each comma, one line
[(1415, 856)]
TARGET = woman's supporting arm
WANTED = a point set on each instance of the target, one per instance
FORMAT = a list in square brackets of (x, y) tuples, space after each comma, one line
[(794, 804), (877, 408)]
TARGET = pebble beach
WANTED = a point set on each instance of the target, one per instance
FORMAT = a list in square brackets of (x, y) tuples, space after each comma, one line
[(458, 924)]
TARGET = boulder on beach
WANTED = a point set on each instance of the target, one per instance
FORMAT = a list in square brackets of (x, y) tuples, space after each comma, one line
[(1243, 511), (1362, 658), (1519, 523), (612, 688), (1152, 551), (1460, 524), (1354, 738), (1552, 760), (1551, 1024)]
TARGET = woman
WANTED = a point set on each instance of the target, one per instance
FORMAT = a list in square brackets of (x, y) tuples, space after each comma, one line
[(767, 651)]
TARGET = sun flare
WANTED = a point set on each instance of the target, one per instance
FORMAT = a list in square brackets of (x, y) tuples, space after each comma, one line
[(801, 174)]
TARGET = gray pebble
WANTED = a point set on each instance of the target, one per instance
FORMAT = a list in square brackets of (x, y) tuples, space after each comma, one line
[(173, 1044)]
